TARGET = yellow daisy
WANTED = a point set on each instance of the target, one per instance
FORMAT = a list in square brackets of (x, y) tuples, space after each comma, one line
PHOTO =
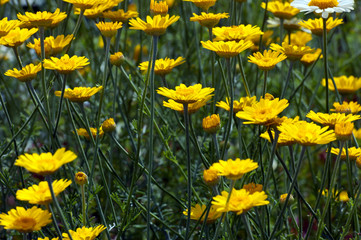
[(331, 119), (240, 201), (309, 58), (253, 187), (345, 85), (153, 26), (25, 220), (83, 4), (347, 107), (7, 25), (84, 133), (237, 105), (266, 39), (353, 152), (204, 4), (236, 33), (185, 95), (109, 29), (120, 15), (316, 25), (2, 2), (267, 60), (293, 52), (159, 7), (211, 124), (43, 19), (45, 163), (52, 45), (116, 59), (163, 66), (234, 169), (40, 194), (79, 94), (281, 9), (357, 133), (65, 64), (84, 233), (26, 74), (283, 139), (343, 130), (208, 20), (227, 49), (192, 107), (263, 112), (108, 125), (199, 211), (307, 134), (299, 38), (17, 36), (210, 176)]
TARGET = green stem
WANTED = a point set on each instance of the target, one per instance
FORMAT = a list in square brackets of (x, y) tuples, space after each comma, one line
[(216, 146), (83, 204), (54, 221), (244, 80), (281, 30), (151, 134), (324, 36), (76, 28), (60, 104), (287, 79), (264, 84)]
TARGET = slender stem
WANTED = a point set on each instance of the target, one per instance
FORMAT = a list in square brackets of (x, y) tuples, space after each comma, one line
[(151, 134), (325, 61), (60, 104), (281, 30), (76, 28), (83, 204), (265, 84), (213, 70), (189, 170), (287, 79), (54, 220), (216, 146), (244, 80), (230, 118)]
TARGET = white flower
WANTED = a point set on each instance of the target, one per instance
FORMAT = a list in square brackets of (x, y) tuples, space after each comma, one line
[(323, 6)]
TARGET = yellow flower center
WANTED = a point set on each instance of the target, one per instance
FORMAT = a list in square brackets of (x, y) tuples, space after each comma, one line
[(26, 224), (185, 91), (323, 4), (263, 113)]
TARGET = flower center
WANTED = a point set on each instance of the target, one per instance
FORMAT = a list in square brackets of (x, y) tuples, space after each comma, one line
[(323, 4), (26, 224), (185, 91)]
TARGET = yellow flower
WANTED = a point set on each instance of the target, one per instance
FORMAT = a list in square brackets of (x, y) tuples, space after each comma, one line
[(227, 49), (208, 20), (263, 112), (26, 74), (357, 133), (211, 124), (52, 45), (45, 163), (155, 26), (237, 105), (84, 233), (358, 162), (137, 52), (309, 58), (83, 4), (65, 64), (331, 119), (343, 130), (109, 29), (236, 33), (307, 134), (204, 4), (109, 125), (345, 85), (185, 95), (116, 59), (346, 107), (253, 187), (7, 25), (17, 36), (281, 9), (84, 133), (240, 201), (159, 7), (268, 60), (283, 139), (210, 176), (120, 15), (2, 2), (234, 169), (162, 66), (81, 178), (338, 196), (284, 196), (316, 25), (292, 52), (79, 94), (199, 211), (43, 19), (40, 194), (192, 107), (353, 153), (343, 196), (25, 220), (266, 39), (299, 38)]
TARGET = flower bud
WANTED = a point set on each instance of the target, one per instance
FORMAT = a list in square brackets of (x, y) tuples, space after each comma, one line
[(210, 176), (117, 59), (283, 198), (211, 124), (81, 178), (109, 125), (344, 130)]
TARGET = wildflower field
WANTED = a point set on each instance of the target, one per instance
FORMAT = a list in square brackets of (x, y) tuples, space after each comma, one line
[(180, 119)]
